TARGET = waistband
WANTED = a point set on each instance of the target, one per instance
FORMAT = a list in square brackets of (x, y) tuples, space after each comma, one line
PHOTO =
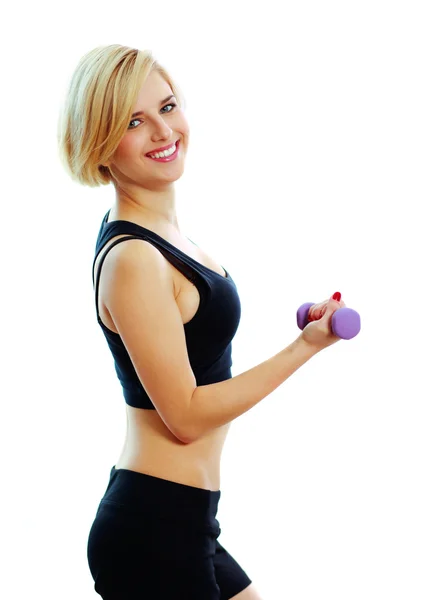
[(145, 493)]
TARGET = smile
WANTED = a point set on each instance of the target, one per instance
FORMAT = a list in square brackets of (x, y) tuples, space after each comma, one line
[(166, 158)]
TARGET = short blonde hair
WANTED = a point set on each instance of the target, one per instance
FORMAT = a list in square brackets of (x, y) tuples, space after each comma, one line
[(97, 108)]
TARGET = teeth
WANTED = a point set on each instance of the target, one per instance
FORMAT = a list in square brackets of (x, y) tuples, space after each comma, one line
[(165, 153)]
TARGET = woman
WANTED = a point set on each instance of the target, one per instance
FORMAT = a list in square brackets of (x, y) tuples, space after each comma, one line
[(169, 313)]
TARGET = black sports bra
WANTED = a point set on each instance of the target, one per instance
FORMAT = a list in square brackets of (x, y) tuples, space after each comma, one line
[(208, 334)]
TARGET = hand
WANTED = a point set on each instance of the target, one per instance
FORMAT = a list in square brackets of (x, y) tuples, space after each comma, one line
[(318, 333)]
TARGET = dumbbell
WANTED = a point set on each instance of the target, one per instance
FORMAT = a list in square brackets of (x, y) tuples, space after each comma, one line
[(345, 322)]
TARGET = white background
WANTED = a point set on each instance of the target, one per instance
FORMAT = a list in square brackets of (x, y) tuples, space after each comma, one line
[(305, 175)]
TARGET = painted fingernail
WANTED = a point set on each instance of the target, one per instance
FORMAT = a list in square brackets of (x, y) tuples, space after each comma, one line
[(337, 296)]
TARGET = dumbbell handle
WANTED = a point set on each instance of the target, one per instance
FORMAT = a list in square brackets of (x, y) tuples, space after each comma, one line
[(345, 322)]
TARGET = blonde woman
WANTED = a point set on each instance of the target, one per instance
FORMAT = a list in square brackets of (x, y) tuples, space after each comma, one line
[(169, 313)]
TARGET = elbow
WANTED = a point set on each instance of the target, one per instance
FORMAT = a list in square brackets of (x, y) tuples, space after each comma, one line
[(186, 437), (185, 440), (179, 434), (186, 434)]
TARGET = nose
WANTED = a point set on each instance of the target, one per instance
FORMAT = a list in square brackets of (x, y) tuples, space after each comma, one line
[(162, 131)]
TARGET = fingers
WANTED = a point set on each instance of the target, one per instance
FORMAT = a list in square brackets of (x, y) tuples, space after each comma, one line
[(317, 311)]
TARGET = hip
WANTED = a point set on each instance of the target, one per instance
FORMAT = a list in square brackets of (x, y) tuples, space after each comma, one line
[(148, 525)]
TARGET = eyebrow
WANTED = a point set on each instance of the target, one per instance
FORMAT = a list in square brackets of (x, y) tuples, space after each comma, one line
[(140, 112)]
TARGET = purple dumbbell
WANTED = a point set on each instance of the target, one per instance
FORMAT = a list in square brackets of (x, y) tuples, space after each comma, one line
[(345, 322)]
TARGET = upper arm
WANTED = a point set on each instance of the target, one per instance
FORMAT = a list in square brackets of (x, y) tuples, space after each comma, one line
[(139, 295)]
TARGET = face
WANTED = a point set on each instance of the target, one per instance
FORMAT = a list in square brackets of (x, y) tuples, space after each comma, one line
[(160, 125)]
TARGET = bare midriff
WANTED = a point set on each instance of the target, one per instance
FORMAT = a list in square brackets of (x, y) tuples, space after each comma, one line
[(151, 448)]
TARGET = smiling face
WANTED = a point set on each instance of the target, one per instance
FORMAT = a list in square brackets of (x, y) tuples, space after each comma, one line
[(160, 125)]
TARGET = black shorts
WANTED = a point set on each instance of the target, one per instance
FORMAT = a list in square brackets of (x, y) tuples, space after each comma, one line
[(154, 539)]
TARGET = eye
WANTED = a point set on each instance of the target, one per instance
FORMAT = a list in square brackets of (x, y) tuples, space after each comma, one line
[(172, 104)]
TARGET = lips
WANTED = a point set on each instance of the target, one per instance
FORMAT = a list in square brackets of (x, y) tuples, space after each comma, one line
[(162, 149)]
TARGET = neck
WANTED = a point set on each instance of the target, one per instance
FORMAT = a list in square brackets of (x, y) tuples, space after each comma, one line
[(161, 213)]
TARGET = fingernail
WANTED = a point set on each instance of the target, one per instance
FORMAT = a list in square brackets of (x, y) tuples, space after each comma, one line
[(337, 296)]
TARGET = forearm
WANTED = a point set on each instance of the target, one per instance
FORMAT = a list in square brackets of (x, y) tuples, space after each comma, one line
[(219, 403)]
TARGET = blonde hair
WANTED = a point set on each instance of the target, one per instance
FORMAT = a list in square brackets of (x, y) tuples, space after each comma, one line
[(97, 108)]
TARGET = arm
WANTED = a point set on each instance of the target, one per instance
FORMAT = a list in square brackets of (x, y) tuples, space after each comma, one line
[(137, 288), (216, 404)]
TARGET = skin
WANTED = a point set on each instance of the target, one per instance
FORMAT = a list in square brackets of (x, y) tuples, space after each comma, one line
[(143, 187)]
